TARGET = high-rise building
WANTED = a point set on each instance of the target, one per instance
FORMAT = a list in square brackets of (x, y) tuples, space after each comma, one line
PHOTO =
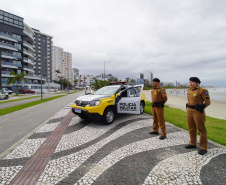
[(140, 75), (62, 62), (76, 75), (27, 50), (43, 57), (140, 78), (17, 52), (149, 77)]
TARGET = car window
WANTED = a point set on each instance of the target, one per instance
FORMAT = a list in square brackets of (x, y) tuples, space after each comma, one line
[(106, 91), (132, 92)]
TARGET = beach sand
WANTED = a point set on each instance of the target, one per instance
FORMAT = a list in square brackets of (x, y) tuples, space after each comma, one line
[(216, 109)]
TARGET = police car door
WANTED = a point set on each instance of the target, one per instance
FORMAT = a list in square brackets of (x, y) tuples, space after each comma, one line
[(129, 102)]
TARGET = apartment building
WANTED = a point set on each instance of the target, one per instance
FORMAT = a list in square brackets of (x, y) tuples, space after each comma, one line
[(43, 48), (25, 49), (62, 61), (17, 52), (85, 80)]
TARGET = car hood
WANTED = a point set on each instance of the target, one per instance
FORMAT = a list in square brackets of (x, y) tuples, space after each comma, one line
[(92, 97)]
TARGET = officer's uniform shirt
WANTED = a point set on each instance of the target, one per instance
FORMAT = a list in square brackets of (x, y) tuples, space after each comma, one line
[(157, 94), (197, 95)]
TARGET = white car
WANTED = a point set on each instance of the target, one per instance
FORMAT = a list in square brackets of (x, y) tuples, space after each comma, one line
[(2, 95), (6, 90)]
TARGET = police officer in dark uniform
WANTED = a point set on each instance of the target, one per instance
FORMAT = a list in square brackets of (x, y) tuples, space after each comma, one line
[(159, 98), (198, 100)]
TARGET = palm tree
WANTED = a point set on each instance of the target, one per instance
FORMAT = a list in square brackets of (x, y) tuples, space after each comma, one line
[(17, 78), (96, 85)]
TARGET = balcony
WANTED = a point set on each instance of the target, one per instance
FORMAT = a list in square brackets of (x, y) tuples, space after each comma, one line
[(27, 68), (10, 65), (9, 56), (6, 74), (28, 61), (28, 53), (27, 33), (35, 77), (8, 46), (28, 45), (7, 37)]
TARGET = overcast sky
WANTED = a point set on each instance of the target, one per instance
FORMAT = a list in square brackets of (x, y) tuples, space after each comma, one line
[(173, 39)]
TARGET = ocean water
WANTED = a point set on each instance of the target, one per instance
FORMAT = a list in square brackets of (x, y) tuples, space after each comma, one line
[(217, 93)]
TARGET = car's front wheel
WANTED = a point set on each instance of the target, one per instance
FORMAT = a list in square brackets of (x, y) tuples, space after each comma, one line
[(108, 116)]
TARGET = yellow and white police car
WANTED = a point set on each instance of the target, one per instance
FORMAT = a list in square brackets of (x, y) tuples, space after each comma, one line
[(107, 101)]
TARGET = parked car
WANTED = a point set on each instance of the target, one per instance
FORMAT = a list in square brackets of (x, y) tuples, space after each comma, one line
[(108, 101), (6, 90), (2, 95), (28, 91)]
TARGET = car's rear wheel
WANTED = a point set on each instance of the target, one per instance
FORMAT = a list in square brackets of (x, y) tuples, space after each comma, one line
[(141, 107), (108, 116)]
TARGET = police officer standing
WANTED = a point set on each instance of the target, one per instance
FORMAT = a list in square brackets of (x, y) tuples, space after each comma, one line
[(198, 100), (159, 98)]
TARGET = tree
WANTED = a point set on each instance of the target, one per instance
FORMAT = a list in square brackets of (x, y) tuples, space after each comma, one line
[(96, 85), (115, 79), (75, 81), (100, 83), (148, 86), (17, 78), (132, 81), (57, 71)]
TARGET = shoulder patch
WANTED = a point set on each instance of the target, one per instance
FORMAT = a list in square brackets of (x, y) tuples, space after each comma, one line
[(162, 91), (207, 94)]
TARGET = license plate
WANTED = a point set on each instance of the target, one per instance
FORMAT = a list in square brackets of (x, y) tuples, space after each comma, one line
[(77, 110)]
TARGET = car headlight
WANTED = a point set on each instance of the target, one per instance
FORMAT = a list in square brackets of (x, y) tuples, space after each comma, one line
[(95, 103)]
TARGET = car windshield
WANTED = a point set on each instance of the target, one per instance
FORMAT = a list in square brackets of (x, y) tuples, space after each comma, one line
[(109, 90)]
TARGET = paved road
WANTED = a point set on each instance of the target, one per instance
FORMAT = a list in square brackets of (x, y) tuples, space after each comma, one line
[(18, 124), (120, 153), (19, 102)]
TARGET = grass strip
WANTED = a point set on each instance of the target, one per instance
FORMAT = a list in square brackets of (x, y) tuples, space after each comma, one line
[(216, 128), (26, 105), (20, 99)]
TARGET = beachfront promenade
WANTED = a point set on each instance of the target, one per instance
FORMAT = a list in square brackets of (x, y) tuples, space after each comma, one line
[(67, 150)]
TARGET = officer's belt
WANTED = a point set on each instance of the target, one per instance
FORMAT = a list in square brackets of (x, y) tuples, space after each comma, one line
[(190, 106)]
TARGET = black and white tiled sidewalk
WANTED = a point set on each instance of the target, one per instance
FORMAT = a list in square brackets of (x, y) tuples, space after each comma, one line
[(121, 153)]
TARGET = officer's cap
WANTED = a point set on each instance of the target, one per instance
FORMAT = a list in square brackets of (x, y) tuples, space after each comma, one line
[(195, 79), (156, 80)]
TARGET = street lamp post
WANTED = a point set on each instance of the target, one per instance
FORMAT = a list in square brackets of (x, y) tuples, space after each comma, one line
[(41, 80), (62, 83), (47, 73), (67, 79), (0, 68)]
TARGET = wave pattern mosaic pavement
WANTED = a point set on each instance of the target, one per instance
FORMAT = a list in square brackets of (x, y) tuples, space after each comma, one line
[(121, 153)]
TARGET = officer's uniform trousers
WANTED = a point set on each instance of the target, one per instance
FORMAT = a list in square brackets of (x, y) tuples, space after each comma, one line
[(196, 120), (158, 117)]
